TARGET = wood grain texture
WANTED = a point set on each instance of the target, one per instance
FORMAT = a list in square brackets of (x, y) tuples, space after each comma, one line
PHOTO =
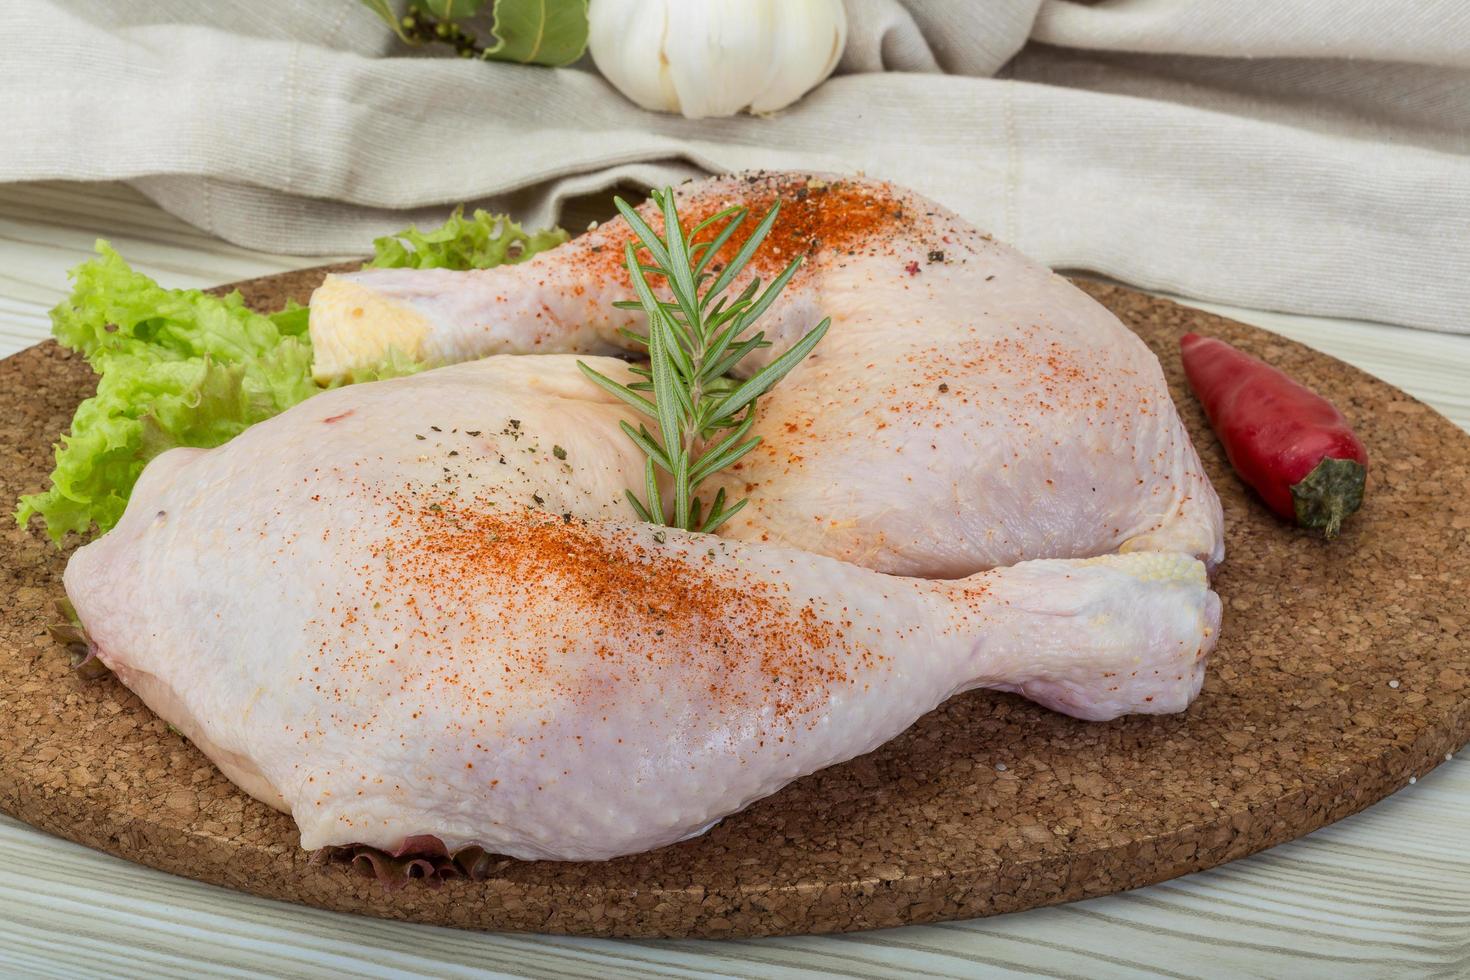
[(1197, 906)]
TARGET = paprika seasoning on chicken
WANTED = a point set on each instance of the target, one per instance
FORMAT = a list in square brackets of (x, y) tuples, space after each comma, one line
[(1287, 442)]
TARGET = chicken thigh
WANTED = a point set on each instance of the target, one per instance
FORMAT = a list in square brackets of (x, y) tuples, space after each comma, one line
[(420, 608), (968, 408)]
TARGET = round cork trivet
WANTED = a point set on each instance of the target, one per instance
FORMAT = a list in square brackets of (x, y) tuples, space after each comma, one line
[(1341, 672)]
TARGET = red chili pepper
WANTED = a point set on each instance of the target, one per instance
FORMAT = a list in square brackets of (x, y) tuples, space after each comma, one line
[(1283, 439)]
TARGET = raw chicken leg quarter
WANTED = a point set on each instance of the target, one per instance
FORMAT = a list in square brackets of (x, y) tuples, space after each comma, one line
[(421, 607)]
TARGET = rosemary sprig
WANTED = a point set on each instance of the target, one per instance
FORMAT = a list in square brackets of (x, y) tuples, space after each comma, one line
[(694, 341)]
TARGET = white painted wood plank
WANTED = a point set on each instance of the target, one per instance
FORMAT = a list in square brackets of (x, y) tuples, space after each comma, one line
[(1386, 892)]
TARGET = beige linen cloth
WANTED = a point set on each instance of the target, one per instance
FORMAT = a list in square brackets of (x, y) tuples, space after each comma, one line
[(1302, 155)]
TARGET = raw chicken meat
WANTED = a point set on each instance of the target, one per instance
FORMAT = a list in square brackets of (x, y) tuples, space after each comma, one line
[(420, 608), (968, 409)]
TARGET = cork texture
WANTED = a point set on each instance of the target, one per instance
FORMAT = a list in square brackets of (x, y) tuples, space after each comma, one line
[(1343, 670)]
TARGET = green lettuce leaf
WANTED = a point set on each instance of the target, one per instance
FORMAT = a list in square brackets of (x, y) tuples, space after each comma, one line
[(477, 242), (395, 364), (292, 321), (175, 368)]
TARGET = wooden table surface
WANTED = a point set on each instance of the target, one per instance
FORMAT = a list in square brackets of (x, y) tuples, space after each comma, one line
[(1386, 892)]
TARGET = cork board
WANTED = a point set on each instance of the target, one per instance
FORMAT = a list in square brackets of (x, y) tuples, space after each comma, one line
[(1342, 671)]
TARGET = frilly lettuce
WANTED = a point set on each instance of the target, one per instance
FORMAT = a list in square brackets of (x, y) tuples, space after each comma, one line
[(177, 367), (477, 242)]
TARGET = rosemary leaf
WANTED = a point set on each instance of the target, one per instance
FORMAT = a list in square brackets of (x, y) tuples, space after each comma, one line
[(763, 302), (761, 382), (712, 248), (747, 250), (650, 484), (718, 517), (640, 510), (645, 442), (633, 399), (723, 366)]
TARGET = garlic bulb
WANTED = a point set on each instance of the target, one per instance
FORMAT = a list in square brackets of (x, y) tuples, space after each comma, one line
[(716, 57)]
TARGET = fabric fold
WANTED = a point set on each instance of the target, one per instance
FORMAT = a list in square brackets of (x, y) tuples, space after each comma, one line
[(1252, 158)]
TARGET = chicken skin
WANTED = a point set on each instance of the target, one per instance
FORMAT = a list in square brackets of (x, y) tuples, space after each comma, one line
[(421, 607)]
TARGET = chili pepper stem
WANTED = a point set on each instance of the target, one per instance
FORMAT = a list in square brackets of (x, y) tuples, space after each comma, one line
[(1326, 496)]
